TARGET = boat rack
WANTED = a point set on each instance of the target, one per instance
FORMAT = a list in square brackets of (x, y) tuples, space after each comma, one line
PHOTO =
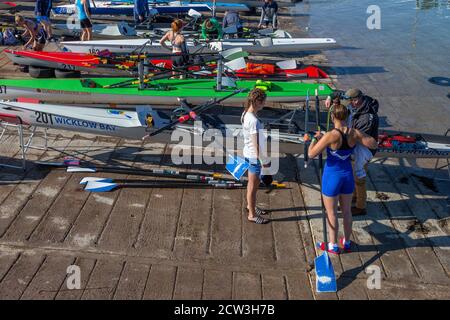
[(8, 122)]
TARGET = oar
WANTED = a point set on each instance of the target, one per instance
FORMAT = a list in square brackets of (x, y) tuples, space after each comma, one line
[(86, 180), (94, 186), (325, 277), (149, 172), (306, 138), (193, 113), (99, 184), (162, 173)]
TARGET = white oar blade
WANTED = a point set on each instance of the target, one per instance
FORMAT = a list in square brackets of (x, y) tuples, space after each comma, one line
[(79, 169), (230, 30), (287, 64), (94, 186), (194, 13), (234, 53), (85, 180), (236, 64), (228, 82)]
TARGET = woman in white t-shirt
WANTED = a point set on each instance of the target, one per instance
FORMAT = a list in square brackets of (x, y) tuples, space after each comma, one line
[(254, 149)]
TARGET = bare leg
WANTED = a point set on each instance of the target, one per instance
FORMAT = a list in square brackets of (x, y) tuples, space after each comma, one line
[(346, 207), (89, 34), (330, 204), (252, 188)]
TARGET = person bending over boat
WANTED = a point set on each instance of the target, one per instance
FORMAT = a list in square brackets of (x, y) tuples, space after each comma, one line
[(42, 11), (254, 151), (179, 49), (212, 30), (141, 11), (337, 180), (230, 19), (84, 16), (269, 14), (35, 32)]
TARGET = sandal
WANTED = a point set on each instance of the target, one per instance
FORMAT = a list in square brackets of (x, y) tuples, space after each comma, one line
[(259, 212), (259, 220)]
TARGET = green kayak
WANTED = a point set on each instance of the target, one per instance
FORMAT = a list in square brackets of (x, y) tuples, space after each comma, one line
[(106, 90)]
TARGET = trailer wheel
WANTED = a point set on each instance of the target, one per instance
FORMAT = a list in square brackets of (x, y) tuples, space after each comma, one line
[(59, 73), (37, 72)]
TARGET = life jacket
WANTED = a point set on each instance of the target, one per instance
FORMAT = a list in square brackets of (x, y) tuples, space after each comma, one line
[(260, 68)]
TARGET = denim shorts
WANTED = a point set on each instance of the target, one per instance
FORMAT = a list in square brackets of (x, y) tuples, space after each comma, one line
[(255, 166), (39, 19)]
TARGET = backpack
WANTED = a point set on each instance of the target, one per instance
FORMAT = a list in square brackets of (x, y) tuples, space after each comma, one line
[(9, 37)]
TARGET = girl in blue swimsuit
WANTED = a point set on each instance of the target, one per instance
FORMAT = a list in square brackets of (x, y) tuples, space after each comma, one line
[(337, 178)]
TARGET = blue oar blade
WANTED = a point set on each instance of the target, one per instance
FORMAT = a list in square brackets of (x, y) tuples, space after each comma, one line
[(81, 169), (237, 166), (325, 277), (86, 180), (94, 186)]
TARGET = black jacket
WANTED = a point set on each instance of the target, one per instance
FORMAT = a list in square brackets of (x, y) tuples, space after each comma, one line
[(365, 118)]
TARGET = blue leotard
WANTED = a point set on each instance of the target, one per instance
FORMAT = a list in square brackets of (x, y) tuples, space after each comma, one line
[(337, 175)]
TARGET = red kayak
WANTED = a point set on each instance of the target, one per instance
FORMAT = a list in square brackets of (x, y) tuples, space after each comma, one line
[(88, 62)]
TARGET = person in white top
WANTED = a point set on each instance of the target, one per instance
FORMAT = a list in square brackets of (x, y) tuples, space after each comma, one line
[(254, 150)]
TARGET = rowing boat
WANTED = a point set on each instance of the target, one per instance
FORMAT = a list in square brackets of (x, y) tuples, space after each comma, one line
[(102, 31), (253, 46), (220, 6), (282, 128), (89, 63), (6, 5), (108, 9), (166, 91)]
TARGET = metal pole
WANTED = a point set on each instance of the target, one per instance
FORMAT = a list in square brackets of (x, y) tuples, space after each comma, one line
[(219, 73)]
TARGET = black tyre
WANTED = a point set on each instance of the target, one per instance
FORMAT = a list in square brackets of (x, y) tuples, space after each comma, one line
[(67, 74), (38, 72)]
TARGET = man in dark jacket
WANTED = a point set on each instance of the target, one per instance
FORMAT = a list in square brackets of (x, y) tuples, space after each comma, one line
[(364, 117)]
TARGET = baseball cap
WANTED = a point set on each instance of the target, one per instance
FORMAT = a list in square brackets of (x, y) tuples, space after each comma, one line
[(353, 93)]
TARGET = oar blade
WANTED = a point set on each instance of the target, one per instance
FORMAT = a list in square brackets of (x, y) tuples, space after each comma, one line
[(94, 186), (194, 14), (290, 64), (86, 180), (236, 166), (81, 169), (325, 277), (236, 64), (234, 53)]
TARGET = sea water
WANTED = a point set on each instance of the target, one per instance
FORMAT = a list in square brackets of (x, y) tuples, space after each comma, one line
[(397, 51)]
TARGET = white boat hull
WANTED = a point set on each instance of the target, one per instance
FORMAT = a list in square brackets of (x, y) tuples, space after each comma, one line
[(260, 46), (102, 31)]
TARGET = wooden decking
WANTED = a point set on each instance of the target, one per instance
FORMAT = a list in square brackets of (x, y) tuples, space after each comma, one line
[(197, 244)]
